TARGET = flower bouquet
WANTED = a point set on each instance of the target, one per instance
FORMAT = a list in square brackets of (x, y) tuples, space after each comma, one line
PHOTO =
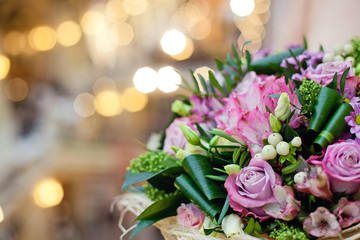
[(266, 147)]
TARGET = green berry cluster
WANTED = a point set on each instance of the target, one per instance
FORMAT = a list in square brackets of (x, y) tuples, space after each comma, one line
[(284, 232), (155, 194), (309, 91), (152, 162)]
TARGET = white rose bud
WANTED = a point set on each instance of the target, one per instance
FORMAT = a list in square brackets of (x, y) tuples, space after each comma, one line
[(283, 148), (268, 152), (274, 139), (232, 168), (300, 177), (258, 155), (338, 58), (283, 108), (338, 48), (328, 57), (348, 48), (296, 142), (232, 225)]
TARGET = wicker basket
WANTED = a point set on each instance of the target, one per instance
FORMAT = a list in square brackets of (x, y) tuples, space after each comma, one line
[(136, 203)]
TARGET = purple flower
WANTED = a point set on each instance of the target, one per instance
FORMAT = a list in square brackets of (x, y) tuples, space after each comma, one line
[(188, 215), (262, 53), (205, 108), (341, 163), (347, 212), (354, 120), (322, 223)]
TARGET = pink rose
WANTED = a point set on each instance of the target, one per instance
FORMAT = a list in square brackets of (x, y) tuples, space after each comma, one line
[(188, 215), (341, 164), (174, 136), (325, 72), (347, 212), (256, 190)]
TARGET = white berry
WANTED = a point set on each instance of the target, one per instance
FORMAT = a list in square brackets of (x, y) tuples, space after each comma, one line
[(338, 48), (283, 148), (296, 142), (348, 48), (258, 155), (300, 177), (338, 58), (350, 59), (268, 152), (328, 57), (274, 139)]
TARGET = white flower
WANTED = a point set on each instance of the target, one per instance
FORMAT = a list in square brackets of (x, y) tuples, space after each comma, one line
[(232, 225), (328, 57), (338, 48), (348, 48), (338, 58)]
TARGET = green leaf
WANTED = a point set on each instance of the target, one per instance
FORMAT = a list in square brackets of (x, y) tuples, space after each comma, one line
[(321, 48), (228, 83), (214, 82), (202, 132), (162, 209), (274, 95), (249, 229), (235, 53), (192, 192), (197, 88), (142, 225), (219, 64), (143, 176), (305, 43), (230, 71), (243, 157), (300, 97), (203, 83), (231, 61), (224, 210), (236, 155), (222, 134), (295, 58), (220, 170), (343, 80), (334, 82), (291, 168), (248, 57), (289, 133), (221, 178), (198, 167), (245, 43)]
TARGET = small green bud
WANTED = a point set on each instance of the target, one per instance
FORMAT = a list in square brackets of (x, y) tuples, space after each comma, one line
[(275, 124), (283, 108), (232, 168), (181, 108), (181, 154), (190, 134), (214, 140)]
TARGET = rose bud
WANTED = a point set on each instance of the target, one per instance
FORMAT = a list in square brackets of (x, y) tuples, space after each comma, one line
[(232, 225), (283, 108)]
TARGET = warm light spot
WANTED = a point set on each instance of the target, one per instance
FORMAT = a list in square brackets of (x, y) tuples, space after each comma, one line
[(48, 193), (242, 7), (14, 43), (173, 42), (201, 29), (108, 103), (68, 33), (16, 89), (42, 38), (93, 22), (168, 79), (106, 42), (135, 7), (145, 79), (187, 52), (84, 105), (115, 11), (262, 6), (104, 84), (2, 216), (125, 34), (4, 66), (133, 100)]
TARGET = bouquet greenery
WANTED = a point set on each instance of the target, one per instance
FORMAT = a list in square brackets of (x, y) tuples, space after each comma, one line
[(268, 145)]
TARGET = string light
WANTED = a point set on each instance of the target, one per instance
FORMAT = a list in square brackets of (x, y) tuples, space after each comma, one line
[(14, 43), (242, 7), (42, 38), (68, 33), (93, 22), (168, 79), (108, 103), (84, 105), (134, 100), (145, 79), (173, 42), (48, 193), (4, 66)]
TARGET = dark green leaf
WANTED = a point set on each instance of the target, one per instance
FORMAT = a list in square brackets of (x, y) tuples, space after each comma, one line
[(243, 158), (274, 95), (219, 64), (248, 57), (235, 53), (221, 178), (249, 229), (305, 42), (224, 210), (321, 48), (192, 192), (224, 135), (228, 83), (291, 168), (230, 70), (334, 82), (231, 61), (298, 94), (295, 58), (197, 88), (289, 133), (203, 83), (245, 43), (198, 167), (215, 83), (236, 155), (220, 170), (203, 134), (142, 225), (343, 80)]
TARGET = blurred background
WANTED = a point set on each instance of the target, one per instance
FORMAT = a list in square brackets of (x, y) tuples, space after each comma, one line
[(83, 83)]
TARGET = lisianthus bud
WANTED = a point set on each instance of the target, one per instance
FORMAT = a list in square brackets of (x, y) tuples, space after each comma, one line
[(232, 225), (300, 177), (328, 57), (348, 48), (338, 58), (274, 139), (283, 108), (296, 142), (268, 152), (275, 124), (189, 134), (283, 148), (232, 168), (181, 108)]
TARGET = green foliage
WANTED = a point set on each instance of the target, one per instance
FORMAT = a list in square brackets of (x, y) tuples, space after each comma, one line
[(309, 91), (155, 194), (152, 162), (284, 232)]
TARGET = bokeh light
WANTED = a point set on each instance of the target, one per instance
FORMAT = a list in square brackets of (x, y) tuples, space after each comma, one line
[(108, 103), (68, 33), (4, 66), (84, 105), (173, 42), (242, 7), (2, 215), (104, 84), (115, 11), (125, 33), (201, 30), (42, 38), (135, 7), (16, 89), (145, 79), (48, 193), (14, 43), (93, 22), (168, 79), (106, 42), (187, 52), (134, 100)]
